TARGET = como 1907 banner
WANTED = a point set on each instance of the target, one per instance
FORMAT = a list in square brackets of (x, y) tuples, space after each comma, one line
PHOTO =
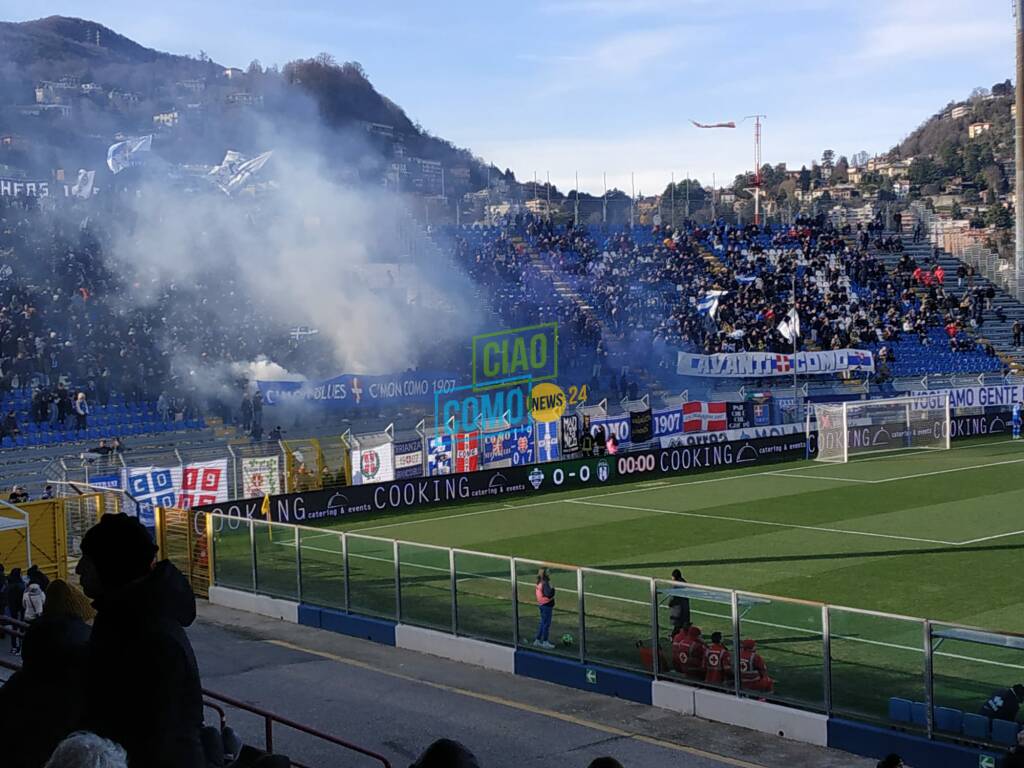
[(495, 484)]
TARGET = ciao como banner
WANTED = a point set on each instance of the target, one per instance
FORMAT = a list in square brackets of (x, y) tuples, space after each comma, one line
[(313, 507)]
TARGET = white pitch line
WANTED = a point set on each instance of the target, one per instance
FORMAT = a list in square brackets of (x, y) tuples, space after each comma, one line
[(764, 522), (827, 478), (947, 471), (990, 538), (767, 473)]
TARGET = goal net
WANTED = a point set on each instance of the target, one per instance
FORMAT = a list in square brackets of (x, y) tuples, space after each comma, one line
[(876, 426)]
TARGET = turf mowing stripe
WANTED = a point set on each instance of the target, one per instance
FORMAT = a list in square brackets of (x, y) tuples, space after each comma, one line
[(667, 484), (762, 522), (828, 478)]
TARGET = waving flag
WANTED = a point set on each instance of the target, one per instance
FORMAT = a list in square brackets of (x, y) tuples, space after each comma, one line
[(708, 304), (729, 124), (790, 326), (128, 153)]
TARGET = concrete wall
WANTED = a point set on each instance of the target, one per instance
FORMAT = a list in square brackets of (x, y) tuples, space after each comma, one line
[(463, 649), (286, 610), (787, 722)]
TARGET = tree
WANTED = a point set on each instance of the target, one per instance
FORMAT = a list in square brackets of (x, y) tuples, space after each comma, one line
[(978, 94), (999, 216), (255, 68), (840, 172), (956, 211), (924, 171), (949, 155), (1003, 89), (805, 179), (859, 159), (828, 158)]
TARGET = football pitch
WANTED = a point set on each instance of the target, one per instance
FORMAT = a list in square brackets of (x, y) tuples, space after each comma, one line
[(933, 534)]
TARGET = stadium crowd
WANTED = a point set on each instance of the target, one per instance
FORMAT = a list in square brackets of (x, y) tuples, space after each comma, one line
[(641, 291)]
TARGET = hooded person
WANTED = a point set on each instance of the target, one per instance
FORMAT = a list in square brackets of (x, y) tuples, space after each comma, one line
[(51, 679), (143, 689)]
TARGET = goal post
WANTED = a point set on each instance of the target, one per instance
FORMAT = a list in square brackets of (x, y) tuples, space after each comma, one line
[(858, 427)]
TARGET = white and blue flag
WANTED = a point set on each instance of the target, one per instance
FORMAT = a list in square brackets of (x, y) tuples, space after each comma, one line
[(708, 304), (547, 441)]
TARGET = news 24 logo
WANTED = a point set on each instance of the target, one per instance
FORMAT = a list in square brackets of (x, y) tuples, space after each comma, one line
[(512, 383)]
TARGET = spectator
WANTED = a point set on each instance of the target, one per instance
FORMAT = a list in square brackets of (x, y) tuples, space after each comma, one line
[(246, 413), (445, 753), (612, 445), (1016, 329), (257, 412), (32, 602), (15, 604), (50, 681), (678, 607), (545, 594), (9, 427), (154, 710), (48, 492), (1004, 704), (81, 409), (36, 576), (1015, 757), (87, 750), (18, 495)]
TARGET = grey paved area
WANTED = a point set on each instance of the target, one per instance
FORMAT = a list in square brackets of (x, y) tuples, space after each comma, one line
[(396, 702)]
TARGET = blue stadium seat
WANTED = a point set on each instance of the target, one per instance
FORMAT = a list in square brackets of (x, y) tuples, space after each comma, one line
[(1005, 732), (975, 727), (948, 719), (899, 710), (919, 713)]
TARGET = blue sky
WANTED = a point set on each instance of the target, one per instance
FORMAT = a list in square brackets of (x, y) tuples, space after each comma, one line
[(609, 86)]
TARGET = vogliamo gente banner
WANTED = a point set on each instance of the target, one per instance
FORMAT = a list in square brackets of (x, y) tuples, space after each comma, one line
[(326, 506)]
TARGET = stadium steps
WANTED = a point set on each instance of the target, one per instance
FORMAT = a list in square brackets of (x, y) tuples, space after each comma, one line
[(999, 334)]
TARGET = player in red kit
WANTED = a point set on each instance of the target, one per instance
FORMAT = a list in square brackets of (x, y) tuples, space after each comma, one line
[(753, 672), (717, 662)]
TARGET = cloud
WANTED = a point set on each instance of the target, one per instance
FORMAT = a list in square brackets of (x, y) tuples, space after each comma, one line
[(914, 30)]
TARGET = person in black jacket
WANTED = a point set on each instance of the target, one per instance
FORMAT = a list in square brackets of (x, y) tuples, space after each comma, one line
[(142, 688), (1004, 704), (15, 609), (50, 681)]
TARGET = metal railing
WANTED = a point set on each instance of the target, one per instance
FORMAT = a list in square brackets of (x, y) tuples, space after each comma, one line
[(824, 658), (213, 700), (966, 246)]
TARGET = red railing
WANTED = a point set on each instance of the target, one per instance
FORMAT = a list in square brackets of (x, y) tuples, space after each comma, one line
[(10, 626)]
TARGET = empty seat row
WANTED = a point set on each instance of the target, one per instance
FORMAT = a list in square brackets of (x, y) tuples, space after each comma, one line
[(955, 721)]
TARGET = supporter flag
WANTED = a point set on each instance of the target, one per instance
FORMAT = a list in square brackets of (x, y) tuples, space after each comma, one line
[(790, 326), (729, 124), (700, 416), (640, 426), (204, 482), (260, 475), (708, 304), (408, 458), (439, 455), (152, 487), (572, 425), (547, 441), (128, 153), (373, 463), (467, 452), (83, 187)]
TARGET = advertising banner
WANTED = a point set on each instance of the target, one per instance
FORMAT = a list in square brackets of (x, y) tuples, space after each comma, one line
[(496, 484), (758, 364), (373, 464)]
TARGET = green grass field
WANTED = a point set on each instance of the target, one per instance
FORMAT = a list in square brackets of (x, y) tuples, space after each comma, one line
[(933, 534)]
